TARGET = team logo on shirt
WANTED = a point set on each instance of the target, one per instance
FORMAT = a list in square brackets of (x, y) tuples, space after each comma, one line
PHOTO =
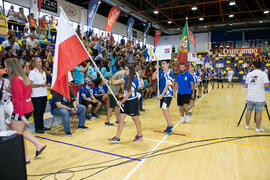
[(254, 79)]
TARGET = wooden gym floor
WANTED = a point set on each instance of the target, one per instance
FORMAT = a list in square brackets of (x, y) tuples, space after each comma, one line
[(237, 154)]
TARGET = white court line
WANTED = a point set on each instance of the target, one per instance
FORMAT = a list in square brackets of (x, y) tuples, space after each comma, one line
[(155, 140), (151, 152)]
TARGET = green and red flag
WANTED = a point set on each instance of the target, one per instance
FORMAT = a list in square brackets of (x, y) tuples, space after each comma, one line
[(183, 49)]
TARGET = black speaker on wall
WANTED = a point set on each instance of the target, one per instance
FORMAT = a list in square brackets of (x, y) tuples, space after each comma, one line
[(12, 159)]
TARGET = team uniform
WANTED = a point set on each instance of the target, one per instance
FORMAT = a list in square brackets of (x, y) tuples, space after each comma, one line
[(206, 77), (130, 106), (198, 74), (195, 83), (184, 88), (100, 90), (230, 74), (166, 78), (87, 91), (220, 76), (213, 75)]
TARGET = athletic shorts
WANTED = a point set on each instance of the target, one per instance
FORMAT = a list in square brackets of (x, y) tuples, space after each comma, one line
[(220, 80), (17, 117), (130, 107), (205, 81), (183, 99), (113, 103), (258, 106), (229, 79), (200, 84), (165, 102), (87, 103), (99, 98)]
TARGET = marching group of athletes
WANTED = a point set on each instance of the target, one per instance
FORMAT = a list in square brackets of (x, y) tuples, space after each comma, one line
[(188, 85)]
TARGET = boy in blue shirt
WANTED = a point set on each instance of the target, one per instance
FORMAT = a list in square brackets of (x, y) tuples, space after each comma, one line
[(166, 77), (88, 99), (79, 73), (185, 85)]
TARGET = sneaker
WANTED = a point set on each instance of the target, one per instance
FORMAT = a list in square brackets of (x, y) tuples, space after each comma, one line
[(88, 116), (141, 109), (83, 127), (68, 133), (259, 130), (182, 120), (95, 116), (168, 130), (187, 119), (138, 138), (115, 140), (107, 123), (190, 113), (246, 127)]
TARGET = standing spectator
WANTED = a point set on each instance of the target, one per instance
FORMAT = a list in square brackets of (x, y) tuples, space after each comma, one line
[(32, 23), (256, 80), (79, 73), (43, 24), (78, 30), (53, 29), (92, 72), (6, 107), (11, 41), (21, 91), (39, 95), (63, 107), (185, 85), (12, 18), (22, 20)]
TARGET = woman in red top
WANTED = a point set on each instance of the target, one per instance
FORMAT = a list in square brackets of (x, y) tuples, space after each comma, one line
[(21, 91)]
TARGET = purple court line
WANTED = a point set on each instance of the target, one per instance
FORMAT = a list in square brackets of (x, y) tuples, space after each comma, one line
[(89, 149)]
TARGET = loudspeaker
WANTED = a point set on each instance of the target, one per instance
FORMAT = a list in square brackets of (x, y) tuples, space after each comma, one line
[(12, 158)]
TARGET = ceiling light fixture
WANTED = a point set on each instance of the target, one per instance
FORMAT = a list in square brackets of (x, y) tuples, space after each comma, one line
[(201, 19), (260, 21), (156, 12), (266, 12), (169, 22), (232, 3), (205, 26), (231, 16), (194, 8)]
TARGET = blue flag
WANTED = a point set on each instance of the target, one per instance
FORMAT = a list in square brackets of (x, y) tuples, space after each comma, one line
[(130, 59), (130, 24), (92, 10)]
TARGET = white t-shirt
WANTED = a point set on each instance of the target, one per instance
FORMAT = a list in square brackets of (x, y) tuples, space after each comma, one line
[(230, 74), (30, 42), (37, 78), (256, 80), (15, 46)]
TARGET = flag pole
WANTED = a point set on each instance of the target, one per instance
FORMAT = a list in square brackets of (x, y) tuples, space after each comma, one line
[(91, 59), (158, 92)]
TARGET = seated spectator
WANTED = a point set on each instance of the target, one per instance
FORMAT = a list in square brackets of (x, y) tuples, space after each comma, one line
[(12, 18), (88, 99), (9, 54), (48, 71), (11, 41), (32, 43), (79, 73), (100, 92), (63, 107)]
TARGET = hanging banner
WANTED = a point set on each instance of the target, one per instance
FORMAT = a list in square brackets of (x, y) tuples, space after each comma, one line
[(191, 37), (146, 31), (39, 7), (158, 53), (130, 24), (157, 35), (93, 6), (240, 51), (112, 17)]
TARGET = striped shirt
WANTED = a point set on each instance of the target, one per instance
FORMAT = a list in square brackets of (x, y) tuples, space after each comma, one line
[(134, 87), (164, 79)]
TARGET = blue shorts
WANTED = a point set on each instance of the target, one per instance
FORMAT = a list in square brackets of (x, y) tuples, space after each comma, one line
[(258, 106)]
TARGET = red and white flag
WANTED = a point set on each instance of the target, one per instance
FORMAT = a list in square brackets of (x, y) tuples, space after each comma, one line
[(69, 53)]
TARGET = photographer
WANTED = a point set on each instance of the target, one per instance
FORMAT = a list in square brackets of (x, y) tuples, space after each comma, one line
[(256, 81), (63, 107)]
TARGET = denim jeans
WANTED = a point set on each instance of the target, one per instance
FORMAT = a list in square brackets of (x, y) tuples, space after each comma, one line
[(64, 114)]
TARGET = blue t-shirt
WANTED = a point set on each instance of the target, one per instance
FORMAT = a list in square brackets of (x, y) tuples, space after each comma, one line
[(134, 87), (184, 81), (100, 90), (93, 72), (79, 76), (86, 90), (164, 79), (145, 83), (104, 71)]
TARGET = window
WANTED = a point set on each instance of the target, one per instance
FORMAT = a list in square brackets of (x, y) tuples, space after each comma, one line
[(116, 37), (16, 8), (102, 33), (48, 16), (120, 37), (74, 24)]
